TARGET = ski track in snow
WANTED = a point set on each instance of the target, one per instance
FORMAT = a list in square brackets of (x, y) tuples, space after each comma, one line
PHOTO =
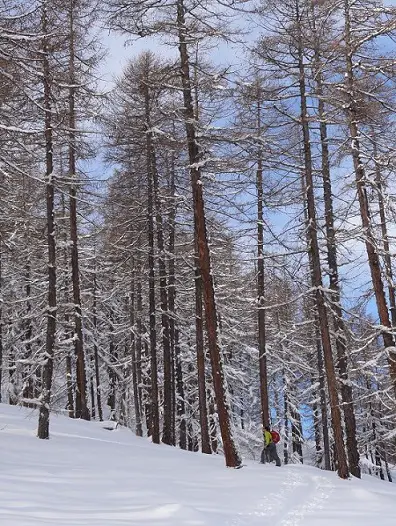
[(87, 476), (280, 506)]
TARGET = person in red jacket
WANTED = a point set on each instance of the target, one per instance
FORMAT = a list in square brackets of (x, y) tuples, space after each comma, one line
[(269, 453)]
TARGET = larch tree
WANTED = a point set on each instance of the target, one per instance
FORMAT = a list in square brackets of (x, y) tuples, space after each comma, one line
[(186, 23)]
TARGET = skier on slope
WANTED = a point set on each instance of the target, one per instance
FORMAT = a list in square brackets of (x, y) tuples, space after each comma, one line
[(269, 453)]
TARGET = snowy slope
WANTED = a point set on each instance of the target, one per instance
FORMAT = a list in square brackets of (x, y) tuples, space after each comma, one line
[(88, 476)]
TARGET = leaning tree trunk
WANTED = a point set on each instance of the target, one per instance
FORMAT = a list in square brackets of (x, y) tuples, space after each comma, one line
[(360, 176), (43, 423), (384, 232), (199, 317), (230, 450), (316, 273)]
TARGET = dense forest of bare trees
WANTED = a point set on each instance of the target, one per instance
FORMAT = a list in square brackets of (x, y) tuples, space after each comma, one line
[(232, 266)]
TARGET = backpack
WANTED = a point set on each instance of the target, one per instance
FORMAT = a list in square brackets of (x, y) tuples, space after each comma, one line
[(275, 436)]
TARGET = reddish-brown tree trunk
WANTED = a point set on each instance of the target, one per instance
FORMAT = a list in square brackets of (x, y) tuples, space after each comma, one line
[(360, 175), (339, 325), (316, 272), (199, 342), (230, 451), (384, 231)]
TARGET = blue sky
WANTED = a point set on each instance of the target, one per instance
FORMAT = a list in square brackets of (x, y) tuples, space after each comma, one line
[(118, 55)]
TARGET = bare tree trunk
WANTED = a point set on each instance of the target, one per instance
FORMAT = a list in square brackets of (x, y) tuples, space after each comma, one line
[(317, 434), (319, 361), (360, 175), (135, 385), (339, 325), (147, 378), (387, 469), (384, 231), (92, 391), (296, 433), (1, 320), (212, 424), (322, 398), (168, 384), (154, 416), (139, 328), (82, 410), (316, 273), (173, 331), (163, 287), (230, 451), (285, 420), (43, 423), (69, 333), (113, 377), (265, 415), (28, 387), (199, 340), (180, 403), (96, 354), (69, 386)]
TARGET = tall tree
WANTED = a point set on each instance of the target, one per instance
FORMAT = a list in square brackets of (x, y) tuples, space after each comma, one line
[(43, 424), (352, 45), (179, 19)]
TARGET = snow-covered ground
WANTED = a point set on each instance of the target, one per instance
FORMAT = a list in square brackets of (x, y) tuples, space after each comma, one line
[(88, 476)]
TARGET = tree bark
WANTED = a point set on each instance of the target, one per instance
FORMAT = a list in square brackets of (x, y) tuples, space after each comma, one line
[(43, 423), (82, 410), (265, 415), (360, 176), (384, 231), (316, 272), (199, 342), (172, 285), (154, 417), (339, 325), (113, 377), (230, 451), (167, 431), (135, 385), (1, 319), (322, 397), (96, 353), (180, 402)]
